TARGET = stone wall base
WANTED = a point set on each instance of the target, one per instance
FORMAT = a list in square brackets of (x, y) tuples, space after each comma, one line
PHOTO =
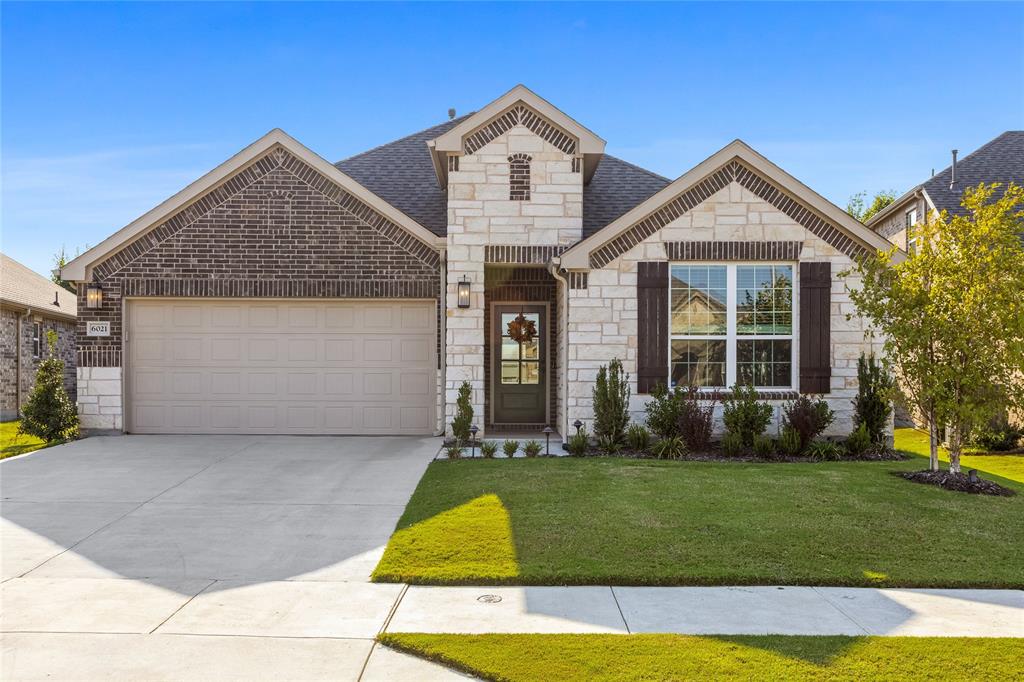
[(100, 407)]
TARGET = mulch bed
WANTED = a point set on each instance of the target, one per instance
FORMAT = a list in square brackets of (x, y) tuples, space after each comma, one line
[(959, 482)]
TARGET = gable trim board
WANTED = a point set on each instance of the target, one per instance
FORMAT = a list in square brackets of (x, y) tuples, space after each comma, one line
[(210, 189), (736, 161)]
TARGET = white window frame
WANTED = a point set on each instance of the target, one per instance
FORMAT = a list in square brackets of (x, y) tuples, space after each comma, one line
[(909, 220), (37, 339), (731, 336)]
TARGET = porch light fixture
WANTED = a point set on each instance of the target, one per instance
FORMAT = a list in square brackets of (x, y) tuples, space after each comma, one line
[(464, 292), (578, 425), (93, 295)]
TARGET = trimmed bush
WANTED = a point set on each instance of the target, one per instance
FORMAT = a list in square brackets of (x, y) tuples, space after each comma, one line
[(578, 443), (463, 413), (873, 406), (808, 417), (998, 435), (696, 418), (488, 449), (663, 412), (764, 446), (49, 414), (637, 437), (669, 448), (745, 415), (532, 448), (732, 444), (611, 401), (510, 447), (859, 441)]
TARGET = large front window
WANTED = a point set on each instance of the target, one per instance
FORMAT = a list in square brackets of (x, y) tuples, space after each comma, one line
[(731, 324)]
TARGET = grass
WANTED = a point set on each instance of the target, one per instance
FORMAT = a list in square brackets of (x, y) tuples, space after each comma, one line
[(636, 658), (645, 522), (12, 444), (1011, 467)]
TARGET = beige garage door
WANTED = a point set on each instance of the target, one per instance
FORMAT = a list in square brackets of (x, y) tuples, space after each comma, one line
[(308, 367)]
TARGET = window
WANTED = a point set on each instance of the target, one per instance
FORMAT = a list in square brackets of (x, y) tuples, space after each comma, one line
[(37, 341), (519, 177), (731, 324), (909, 220)]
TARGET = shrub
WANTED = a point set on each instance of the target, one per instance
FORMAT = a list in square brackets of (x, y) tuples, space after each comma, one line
[(764, 446), (488, 449), (745, 415), (872, 406), (789, 441), (696, 418), (578, 444), (532, 448), (998, 435), (663, 411), (859, 441), (510, 447), (809, 417), (453, 451), (673, 447), (463, 413), (637, 437), (48, 413), (611, 401), (732, 444), (824, 451), (608, 445)]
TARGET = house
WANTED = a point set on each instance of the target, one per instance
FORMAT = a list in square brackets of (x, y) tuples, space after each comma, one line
[(1000, 160), (281, 293), (31, 306)]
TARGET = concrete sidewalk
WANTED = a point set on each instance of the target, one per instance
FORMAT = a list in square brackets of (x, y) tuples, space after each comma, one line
[(712, 610)]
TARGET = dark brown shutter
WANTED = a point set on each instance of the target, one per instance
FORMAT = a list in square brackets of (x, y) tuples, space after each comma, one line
[(652, 326), (815, 339)]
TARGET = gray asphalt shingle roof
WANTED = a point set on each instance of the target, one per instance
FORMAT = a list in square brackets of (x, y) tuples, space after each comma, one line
[(21, 286), (402, 174), (1001, 160)]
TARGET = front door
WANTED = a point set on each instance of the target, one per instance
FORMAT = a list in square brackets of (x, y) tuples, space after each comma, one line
[(519, 375)]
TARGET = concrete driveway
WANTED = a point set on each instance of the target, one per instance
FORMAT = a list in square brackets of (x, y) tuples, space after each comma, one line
[(203, 557)]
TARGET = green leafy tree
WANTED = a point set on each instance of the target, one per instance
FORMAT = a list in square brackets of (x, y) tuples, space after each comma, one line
[(463, 413), (49, 413), (863, 211), (611, 402), (60, 259), (952, 314)]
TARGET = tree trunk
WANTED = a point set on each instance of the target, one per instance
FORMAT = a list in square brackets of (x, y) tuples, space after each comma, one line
[(956, 444), (933, 442)]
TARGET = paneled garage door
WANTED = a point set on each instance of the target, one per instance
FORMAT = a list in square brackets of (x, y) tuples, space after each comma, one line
[(307, 367)]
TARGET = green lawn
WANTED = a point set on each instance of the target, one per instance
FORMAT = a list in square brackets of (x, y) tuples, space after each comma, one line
[(12, 444), (636, 658), (1008, 466), (645, 522)]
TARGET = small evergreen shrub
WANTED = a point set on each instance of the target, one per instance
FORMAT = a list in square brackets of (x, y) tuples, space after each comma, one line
[(611, 401), (764, 446), (859, 441), (608, 445), (49, 414), (663, 412), (824, 451), (732, 444), (745, 415), (872, 406), (510, 447), (673, 447), (808, 417), (463, 413), (488, 449), (637, 437), (578, 444), (789, 441), (998, 435), (532, 448), (453, 451), (696, 418)]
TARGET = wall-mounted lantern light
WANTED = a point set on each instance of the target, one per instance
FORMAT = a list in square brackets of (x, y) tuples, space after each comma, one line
[(93, 295), (464, 292)]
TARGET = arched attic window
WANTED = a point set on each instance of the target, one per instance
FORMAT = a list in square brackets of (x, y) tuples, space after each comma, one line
[(519, 177)]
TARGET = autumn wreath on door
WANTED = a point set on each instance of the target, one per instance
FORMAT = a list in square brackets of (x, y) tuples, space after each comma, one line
[(522, 330)]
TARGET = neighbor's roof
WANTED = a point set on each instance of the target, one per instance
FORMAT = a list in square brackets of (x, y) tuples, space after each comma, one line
[(402, 173), (23, 287)]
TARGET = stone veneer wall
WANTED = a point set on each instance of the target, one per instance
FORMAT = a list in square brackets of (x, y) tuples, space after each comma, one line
[(894, 228), (9, 407), (603, 316), (481, 215), (277, 229)]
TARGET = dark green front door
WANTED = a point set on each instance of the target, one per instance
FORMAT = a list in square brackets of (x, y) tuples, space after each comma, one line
[(519, 373)]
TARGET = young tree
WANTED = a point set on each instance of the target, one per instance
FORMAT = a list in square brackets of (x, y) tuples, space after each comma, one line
[(60, 259), (952, 314), (49, 413), (861, 211)]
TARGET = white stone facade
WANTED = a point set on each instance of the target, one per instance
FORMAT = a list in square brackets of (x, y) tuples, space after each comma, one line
[(480, 213), (100, 399), (603, 318)]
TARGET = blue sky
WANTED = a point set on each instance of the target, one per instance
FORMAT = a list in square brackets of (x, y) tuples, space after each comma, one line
[(108, 109)]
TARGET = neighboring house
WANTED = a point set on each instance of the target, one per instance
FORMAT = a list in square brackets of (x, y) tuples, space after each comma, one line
[(30, 306), (1001, 160), (281, 293)]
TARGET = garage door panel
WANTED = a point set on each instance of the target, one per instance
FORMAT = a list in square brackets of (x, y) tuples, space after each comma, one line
[(346, 367)]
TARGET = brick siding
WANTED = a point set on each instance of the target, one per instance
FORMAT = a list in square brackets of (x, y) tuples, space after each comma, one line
[(8, 357)]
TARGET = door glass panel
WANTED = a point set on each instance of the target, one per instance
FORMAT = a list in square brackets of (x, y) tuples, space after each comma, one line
[(531, 350), (531, 373), (510, 372), (509, 349)]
